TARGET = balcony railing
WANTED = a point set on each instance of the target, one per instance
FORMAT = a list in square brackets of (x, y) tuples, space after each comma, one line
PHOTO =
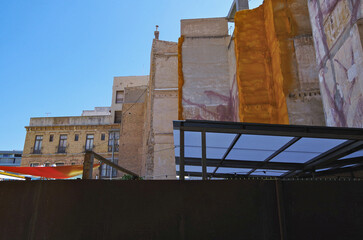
[(37, 151), (110, 148), (62, 149)]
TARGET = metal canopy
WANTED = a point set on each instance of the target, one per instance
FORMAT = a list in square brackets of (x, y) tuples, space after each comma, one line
[(209, 149)]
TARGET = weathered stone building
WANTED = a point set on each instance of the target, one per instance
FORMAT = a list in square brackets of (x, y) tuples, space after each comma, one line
[(146, 142), (64, 140)]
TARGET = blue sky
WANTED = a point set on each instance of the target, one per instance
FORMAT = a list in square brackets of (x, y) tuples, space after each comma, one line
[(60, 56)]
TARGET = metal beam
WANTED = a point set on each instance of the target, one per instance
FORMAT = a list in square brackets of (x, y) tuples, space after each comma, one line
[(270, 129), (328, 157), (181, 165), (227, 152), (241, 164), (204, 157), (341, 163), (108, 162), (336, 171), (280, 150)]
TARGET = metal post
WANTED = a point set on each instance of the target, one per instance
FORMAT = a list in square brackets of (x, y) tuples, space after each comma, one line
[(181, 162), (204, 157), (113, 152), (280, 209)]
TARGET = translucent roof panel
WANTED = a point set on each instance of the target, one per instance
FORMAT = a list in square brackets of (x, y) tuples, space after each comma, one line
[(314, 145), (353, 155), (220, 140), (306, 149), (188, 168), (233, 170), (192, 152), (216, 153), (177, 151), (294, 157), (249, 154), (261, 142), (192, 139), (176, 134), (266, 172)]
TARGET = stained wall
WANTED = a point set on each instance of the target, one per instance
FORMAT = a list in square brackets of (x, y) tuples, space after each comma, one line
[(337, 32), (204, 70), (162, 108), (277, 79)]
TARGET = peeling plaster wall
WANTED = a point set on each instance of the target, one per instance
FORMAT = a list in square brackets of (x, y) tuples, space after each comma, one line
[(337, 32), (205, 70), (162, 109)]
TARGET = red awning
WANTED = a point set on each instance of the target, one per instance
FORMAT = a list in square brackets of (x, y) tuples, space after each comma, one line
[(60, 172)]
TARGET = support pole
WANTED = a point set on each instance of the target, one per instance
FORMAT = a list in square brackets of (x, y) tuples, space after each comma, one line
[(280, 209), (113, 152), (204, 157), (181, 164), (88, 165)]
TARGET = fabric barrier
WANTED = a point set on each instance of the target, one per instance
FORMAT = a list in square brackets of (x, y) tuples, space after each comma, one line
[(60, 172)]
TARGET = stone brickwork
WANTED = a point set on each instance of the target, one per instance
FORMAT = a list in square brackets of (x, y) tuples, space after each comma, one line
[(74, 152)]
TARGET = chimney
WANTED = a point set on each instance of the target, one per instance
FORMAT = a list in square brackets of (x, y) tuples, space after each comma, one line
[(156, 33)]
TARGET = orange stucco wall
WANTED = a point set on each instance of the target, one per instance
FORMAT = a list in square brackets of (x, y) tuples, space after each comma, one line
[(263, 56)]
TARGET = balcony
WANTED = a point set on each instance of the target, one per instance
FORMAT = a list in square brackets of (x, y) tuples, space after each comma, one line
[(37, 151), (61, 150), (110, 148)]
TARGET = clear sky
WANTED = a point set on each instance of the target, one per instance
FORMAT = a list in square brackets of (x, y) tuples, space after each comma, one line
[(60, 56)]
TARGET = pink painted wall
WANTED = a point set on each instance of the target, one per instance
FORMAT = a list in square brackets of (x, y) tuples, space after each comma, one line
[(337, 38)]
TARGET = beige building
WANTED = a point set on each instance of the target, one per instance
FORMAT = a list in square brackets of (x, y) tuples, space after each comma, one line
[(57, 141), (63, 140)]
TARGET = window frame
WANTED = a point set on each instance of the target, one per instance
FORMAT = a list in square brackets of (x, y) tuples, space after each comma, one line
[(89, 141), (121, 99), (37, 149), (62, 146)]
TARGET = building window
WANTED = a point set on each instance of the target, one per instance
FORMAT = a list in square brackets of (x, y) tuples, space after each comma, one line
[(38, 144), (73, 163), (111, 137), (34, 164), (119, 96), (62, 144), (103, 137), (118, 116), (47, 164), (59, 164), (89, 142), (76, 137), (106, 169), (51, 138)]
